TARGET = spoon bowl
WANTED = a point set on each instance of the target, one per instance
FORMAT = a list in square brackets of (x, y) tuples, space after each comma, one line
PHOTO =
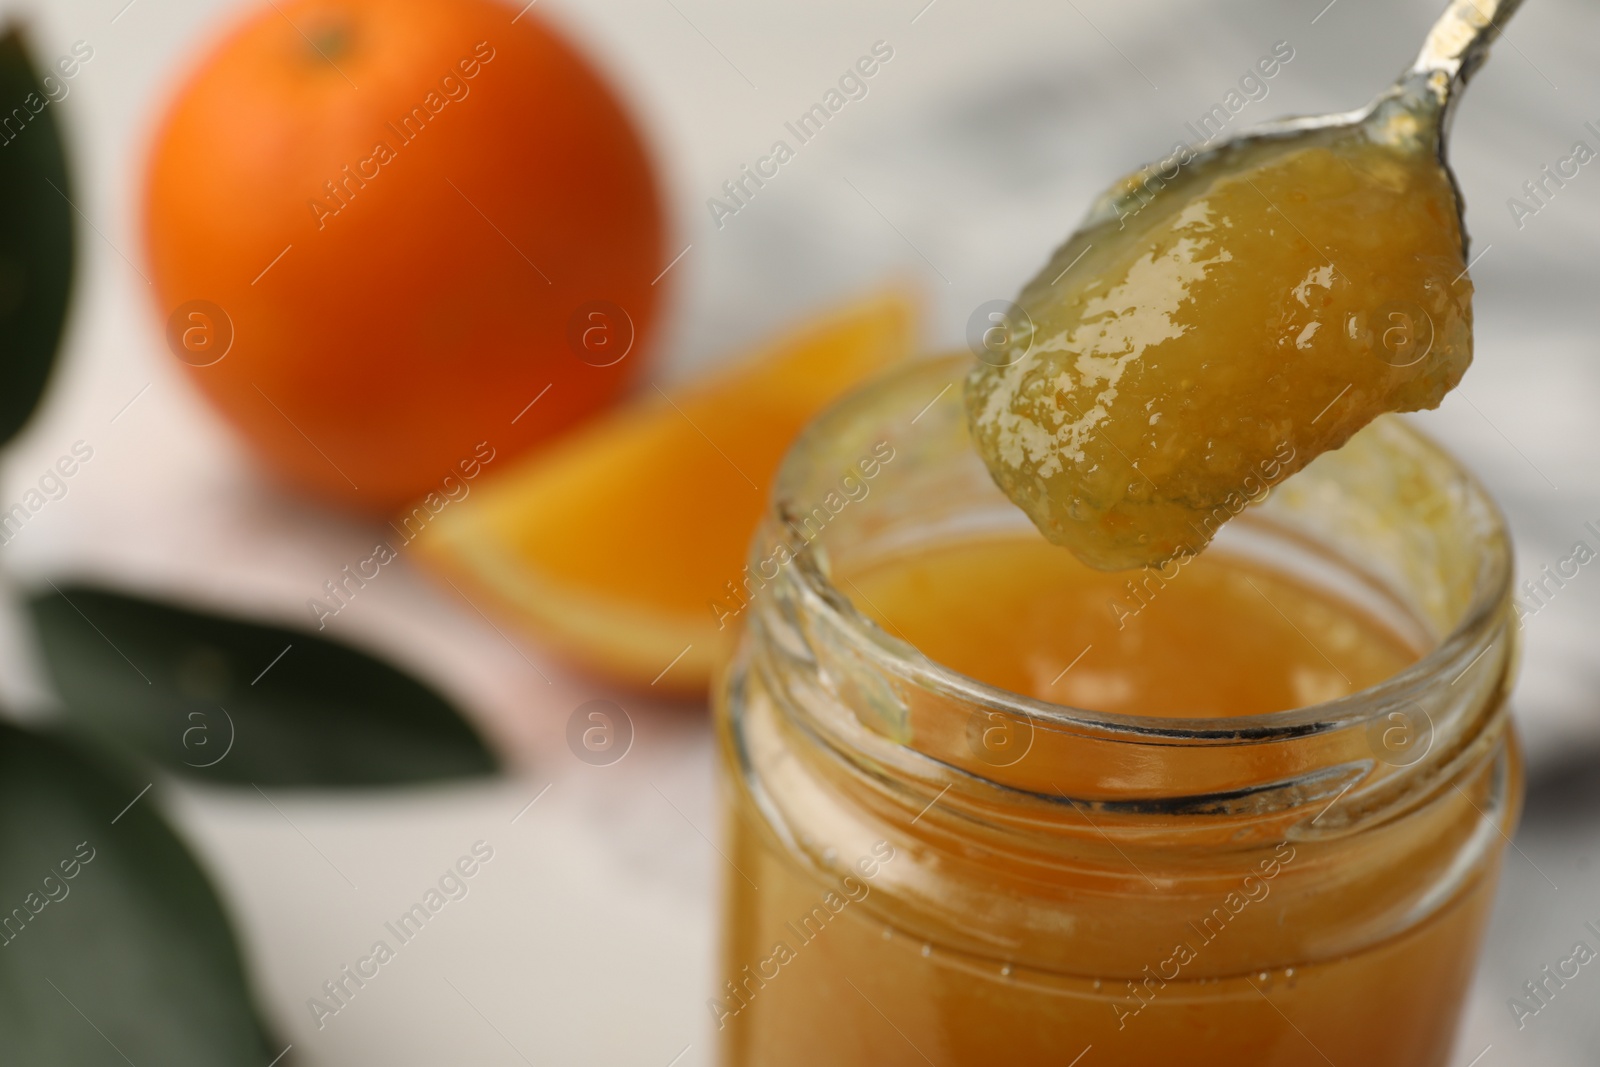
[(1221, 318), (1415, 112)]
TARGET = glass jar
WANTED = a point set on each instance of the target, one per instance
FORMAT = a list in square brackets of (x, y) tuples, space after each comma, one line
[(927, 869)]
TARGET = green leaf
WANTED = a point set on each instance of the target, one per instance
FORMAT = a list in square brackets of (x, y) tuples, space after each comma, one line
[(240, 702), (36, 223), (113, 947)]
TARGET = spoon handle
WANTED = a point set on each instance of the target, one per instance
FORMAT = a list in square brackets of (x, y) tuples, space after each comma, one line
[(1459, 42)]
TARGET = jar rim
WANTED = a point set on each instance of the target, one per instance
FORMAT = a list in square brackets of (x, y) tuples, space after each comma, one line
[(1491, 589)]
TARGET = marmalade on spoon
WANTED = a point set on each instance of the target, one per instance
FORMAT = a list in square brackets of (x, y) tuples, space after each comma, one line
[(1176, 361)]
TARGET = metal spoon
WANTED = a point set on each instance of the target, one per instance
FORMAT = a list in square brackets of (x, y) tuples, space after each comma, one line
[(1131, 473), (1415, 111)]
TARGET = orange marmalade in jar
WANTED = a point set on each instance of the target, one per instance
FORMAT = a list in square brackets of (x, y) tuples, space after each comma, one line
[(989, 806)]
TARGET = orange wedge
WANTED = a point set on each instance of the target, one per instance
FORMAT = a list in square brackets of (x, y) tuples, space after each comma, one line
[(614, 544)]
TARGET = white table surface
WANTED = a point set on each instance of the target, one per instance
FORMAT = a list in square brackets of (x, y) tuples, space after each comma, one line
[(589, 938)]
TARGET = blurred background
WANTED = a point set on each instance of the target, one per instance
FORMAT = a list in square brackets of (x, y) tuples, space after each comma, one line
[(590, 936)]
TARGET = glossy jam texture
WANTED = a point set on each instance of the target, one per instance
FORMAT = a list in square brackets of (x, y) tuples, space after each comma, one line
[(1220, 637), (1187, 355)]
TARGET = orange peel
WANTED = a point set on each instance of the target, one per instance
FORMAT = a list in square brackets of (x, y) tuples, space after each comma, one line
[(616, 545)]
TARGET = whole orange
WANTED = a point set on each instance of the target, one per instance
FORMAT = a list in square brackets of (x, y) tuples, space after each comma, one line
[(398, 223)]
